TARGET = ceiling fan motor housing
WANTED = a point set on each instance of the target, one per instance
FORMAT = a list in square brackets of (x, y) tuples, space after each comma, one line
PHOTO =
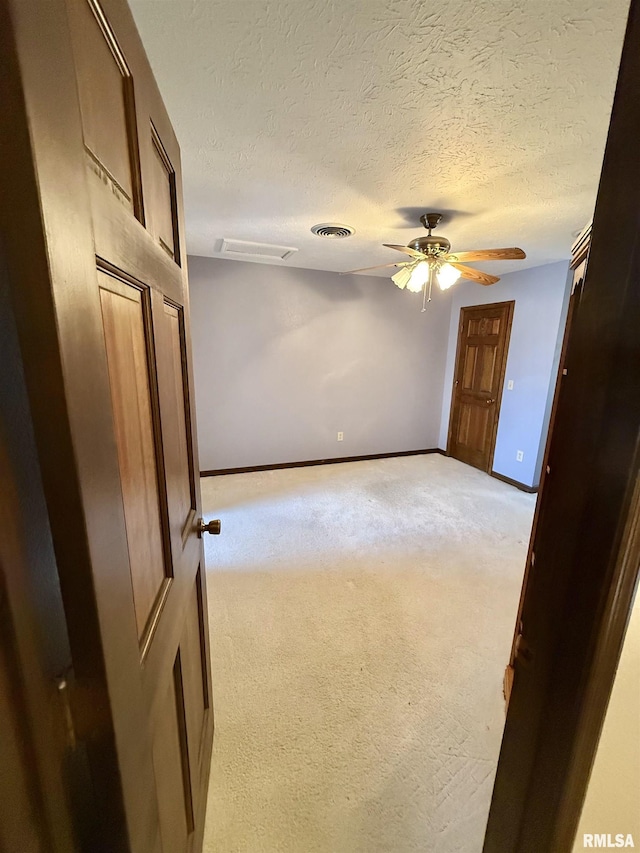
[(431, 245)]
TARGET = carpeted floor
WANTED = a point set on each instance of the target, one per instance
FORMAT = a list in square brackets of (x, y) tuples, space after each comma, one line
[(361, 619)]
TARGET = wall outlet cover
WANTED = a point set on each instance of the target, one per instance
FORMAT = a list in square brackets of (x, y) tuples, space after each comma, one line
[(340, 436), (519, 456)]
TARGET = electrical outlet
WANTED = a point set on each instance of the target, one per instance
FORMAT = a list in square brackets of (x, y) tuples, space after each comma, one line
[(519, 456), (340, 436), (510, 385)]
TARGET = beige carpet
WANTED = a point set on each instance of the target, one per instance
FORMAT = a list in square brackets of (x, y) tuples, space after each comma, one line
[(361, 618)]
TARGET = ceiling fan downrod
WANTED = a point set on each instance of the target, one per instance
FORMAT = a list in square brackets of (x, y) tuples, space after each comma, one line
[(430, 221)]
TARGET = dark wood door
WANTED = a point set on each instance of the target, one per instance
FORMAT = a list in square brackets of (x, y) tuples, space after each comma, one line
[(483, 342), (100, 285)]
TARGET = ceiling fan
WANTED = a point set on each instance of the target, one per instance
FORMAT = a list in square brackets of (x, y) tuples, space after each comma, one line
[(431, 257)]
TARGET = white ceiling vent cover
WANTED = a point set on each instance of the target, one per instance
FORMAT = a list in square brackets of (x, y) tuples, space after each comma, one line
[(245, 250), (333, 230)]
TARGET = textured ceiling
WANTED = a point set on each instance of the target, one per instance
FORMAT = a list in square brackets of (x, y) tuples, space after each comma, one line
[(368, 112)]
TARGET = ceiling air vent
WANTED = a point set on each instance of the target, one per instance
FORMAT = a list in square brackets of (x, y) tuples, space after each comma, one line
[(245, 250), (333, 230)]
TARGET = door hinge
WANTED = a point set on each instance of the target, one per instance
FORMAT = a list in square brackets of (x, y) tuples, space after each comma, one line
[(523, 651), (84, 708), (64, 694)]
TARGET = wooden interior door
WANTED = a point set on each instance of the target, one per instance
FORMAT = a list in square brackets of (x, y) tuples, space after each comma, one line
[(483, 343), (99, 279)]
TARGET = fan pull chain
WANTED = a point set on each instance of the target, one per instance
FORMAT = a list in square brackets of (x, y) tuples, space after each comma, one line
[(424, 290)]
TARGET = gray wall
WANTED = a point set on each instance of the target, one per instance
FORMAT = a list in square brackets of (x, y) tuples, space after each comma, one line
[(540, 295), (285, 358)]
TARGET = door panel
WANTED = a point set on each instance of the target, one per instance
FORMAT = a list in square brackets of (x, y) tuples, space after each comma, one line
[(488, 372), (125, 339), (112, 310), (161, 198), (180, 467), (174, 795), (194, 673), (105, 90), (469, 370), (472, 431), (483, 341)]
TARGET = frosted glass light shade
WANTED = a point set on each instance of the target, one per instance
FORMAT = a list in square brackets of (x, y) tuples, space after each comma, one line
[(401, 278), (419, 277), (447, 275)]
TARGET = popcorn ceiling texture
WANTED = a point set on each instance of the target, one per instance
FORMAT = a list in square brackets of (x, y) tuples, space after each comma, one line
[(361, 619), (294, 112)]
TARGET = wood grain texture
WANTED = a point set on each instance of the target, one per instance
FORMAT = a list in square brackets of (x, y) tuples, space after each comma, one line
[(475, 275), (168, 762), (196, 700), (160, 196), (50, 249), (103, 82), (406, 249), (487, 255), (377, 267), (180, 486), (102, 392), (483, 341), (149, 258), (125, 340)]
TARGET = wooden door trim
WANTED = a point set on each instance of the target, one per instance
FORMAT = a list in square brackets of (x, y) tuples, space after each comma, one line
[(586, 540), (609, 641), (578, 264), (510, 305)]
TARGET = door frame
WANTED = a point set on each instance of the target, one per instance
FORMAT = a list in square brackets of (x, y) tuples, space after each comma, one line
[(511, 306), (585, 548)]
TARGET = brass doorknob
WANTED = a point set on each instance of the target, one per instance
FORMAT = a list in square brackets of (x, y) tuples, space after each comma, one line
[(491, 401), (212, 527)]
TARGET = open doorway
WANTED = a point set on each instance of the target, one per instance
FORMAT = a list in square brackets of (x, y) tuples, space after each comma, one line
[(355, 716), (381, 591)]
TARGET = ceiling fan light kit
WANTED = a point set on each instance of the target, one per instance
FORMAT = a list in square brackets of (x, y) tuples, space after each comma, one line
[(401, 278), (431, 257), (447, 276)]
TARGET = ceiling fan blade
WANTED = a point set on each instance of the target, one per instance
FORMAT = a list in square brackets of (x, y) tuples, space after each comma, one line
[(378, 267), (488, 255), (406, 249), (475, 275)]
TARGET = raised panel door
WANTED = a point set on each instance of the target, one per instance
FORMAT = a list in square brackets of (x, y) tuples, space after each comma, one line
[(124, 500), (483, 341)]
